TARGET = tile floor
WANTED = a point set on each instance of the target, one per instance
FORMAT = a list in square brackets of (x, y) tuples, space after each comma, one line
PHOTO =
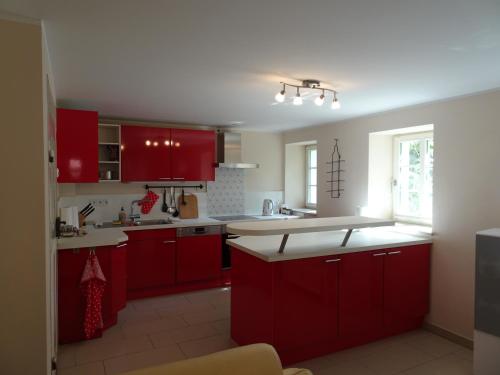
[(166, 329)]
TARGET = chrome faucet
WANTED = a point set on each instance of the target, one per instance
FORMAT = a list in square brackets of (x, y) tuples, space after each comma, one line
[(133, 216)]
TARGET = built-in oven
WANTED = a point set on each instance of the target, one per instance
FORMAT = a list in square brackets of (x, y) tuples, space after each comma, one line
[(226, 249)]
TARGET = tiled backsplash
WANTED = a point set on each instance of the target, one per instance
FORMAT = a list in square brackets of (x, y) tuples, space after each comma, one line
[(224, 196)]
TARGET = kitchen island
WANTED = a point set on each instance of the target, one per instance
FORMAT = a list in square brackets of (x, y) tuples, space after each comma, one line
[(317, 296)]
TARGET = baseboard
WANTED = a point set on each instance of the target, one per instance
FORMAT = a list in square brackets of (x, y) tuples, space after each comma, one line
[(457, 339)]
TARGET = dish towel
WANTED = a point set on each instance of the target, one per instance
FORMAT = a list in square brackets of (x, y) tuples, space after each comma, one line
[(92, 284), (148, 202)]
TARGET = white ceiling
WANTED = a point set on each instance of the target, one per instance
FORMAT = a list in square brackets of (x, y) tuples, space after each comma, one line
[(215, 62)]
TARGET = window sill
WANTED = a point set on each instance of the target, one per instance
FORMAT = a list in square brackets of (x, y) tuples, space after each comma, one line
[(417, 229)]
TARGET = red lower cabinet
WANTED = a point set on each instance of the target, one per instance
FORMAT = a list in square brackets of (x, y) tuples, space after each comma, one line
[(311, 287), (406, 287), (71, 301), (150, 259), (198, 258), (361, 296), (310, 307)]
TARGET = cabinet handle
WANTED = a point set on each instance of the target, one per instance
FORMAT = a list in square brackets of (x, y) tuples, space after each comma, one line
[(178, 178), (169, 241), (394, 252), (379, 254), (165, 178), (123, 244), (332, 260)]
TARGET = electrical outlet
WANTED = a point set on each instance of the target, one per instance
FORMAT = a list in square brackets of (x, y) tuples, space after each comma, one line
[(99, 202)]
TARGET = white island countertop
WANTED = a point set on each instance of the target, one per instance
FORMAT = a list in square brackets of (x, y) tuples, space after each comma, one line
[(308, 245)]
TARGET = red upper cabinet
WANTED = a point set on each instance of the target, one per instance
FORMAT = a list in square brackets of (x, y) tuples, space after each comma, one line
[(193, 155), (77, 146), (145, 153)]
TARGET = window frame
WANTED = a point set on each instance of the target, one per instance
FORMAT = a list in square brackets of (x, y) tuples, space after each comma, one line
[(308, 149), (395, 178)]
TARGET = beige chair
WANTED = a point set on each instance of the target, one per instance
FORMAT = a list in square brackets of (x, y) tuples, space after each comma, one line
[(257, 359)]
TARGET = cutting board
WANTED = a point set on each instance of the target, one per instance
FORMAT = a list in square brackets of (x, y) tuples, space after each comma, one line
[(190, 209)]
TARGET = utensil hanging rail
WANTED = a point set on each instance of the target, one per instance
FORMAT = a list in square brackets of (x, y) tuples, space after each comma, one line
[(147, 187)]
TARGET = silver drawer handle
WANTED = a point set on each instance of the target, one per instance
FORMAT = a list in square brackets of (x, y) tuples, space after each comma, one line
[(123, 244), (170, 241), (332, 260), (178, 178), (394, 252), (379, 254), (165, 178)]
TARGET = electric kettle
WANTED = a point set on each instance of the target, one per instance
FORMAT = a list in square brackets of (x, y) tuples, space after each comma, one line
[(267, 208)]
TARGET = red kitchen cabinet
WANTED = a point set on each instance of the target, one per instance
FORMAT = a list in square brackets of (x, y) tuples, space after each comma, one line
[(306, 292), (150, 259), (77, 146), (199, 258), (71, 301), (145, 154), (361, 297), (119, 277), (193, 155), (406, 287)]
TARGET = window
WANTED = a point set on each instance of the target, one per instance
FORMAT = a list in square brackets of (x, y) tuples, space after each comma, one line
[(413, 167), (311, 175)]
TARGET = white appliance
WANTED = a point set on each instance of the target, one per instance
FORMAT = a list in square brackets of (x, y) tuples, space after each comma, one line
[(487, 303), (267, 207)]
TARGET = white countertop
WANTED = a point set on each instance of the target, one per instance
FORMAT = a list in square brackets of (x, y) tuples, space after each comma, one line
[(114, 236), (493, 232), (308, 245), (256, 228)]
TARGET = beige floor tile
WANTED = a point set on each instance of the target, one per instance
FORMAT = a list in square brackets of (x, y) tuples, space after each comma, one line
[(465, 353), (315, 364), (360, 352), (112, 333), (432, 344), (160, 302), (96, 368), (134, 315), (222, 326), (66, 356), (344, 368), (448, 365), (395, 359), (154, 357), (184, 309), (206, 316), (134, 329), (213, 296), (97, 350), (183, 334), (206, 346)]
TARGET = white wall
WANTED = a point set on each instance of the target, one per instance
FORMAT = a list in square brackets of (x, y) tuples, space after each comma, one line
[(466, 187), (295, 175), (380, 171), (23, 159)]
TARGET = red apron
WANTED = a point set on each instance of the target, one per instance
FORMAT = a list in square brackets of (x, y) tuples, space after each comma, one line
[(92, 284)]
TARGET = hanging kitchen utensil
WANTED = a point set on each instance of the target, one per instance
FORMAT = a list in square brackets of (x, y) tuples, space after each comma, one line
[(183, 201), (164, 206), (176, 212), (171, 208)]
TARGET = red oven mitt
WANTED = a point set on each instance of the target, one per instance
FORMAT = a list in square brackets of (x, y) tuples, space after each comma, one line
[(148, 202)]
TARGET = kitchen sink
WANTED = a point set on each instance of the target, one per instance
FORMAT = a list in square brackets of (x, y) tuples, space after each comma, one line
[(136, 223)]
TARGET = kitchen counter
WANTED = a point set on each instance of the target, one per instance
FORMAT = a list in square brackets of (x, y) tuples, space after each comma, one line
[(114, 236), (308, 245)]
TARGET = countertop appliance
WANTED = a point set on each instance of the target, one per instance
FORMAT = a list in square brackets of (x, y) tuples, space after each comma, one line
[(267, 207)]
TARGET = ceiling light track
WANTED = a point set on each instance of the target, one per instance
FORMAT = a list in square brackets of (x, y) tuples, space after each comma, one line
[(308, 84)]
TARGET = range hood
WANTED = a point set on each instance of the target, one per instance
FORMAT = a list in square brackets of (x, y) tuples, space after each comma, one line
[(229, 151)]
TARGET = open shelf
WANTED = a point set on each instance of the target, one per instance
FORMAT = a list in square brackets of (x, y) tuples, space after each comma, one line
[(109, 153)]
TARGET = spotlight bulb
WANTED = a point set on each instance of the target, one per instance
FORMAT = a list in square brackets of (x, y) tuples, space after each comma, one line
[(297, 100), (280, 97), (319, 100), (335, 104)]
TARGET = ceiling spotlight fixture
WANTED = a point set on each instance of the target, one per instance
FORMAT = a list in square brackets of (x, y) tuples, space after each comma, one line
[(297, 100), (280, 97), (335, 103), (308, 84), (320, 99)]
